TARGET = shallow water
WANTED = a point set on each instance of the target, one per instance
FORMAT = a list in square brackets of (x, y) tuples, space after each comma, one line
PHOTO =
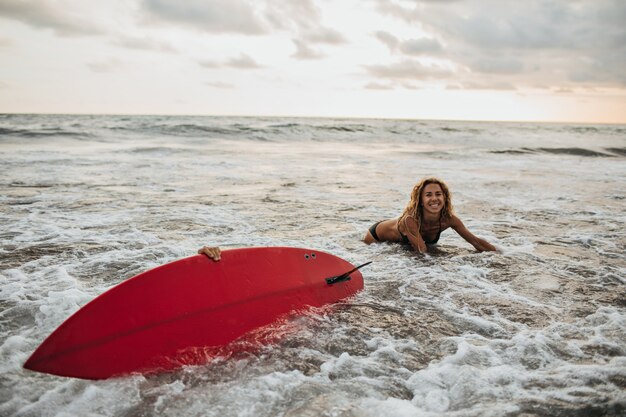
[(538, 329)]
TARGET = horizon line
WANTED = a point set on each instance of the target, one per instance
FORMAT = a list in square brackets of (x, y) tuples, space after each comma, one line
[(310, 117)]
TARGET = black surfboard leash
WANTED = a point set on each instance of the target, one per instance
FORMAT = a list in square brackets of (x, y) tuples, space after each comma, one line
[(346, 276)]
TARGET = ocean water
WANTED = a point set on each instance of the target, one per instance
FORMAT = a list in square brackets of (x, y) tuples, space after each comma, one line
[(538, 329)]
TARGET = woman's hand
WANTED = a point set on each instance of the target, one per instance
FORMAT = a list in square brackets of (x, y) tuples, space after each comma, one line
[(213, 252)]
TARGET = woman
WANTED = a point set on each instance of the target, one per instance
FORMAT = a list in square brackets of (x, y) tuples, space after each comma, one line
[(427, 215)]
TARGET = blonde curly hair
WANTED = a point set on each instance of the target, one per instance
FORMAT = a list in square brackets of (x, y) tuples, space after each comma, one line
[(415, 208)]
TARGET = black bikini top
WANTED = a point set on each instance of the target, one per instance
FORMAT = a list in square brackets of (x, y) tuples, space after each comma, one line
[(405, 238)]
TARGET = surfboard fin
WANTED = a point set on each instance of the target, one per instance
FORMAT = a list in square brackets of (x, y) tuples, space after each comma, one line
[(346, 276)]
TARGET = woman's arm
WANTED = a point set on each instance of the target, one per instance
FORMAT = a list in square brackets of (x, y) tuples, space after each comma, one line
[(481, 245), (415, 238)]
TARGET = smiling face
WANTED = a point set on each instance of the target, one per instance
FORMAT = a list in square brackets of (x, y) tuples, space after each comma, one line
[(429, 198), (432, 199)]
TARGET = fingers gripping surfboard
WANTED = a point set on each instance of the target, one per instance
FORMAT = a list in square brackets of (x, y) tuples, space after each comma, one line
[(193, 302)]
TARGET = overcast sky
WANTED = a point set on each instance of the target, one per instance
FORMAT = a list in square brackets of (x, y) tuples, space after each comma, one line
[(549, 60)]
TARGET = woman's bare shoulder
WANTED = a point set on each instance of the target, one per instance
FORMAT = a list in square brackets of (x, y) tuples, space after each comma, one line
[(454, 221), (409, 225)]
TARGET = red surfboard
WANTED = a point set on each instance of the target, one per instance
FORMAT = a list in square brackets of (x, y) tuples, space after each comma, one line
[(146, 322)]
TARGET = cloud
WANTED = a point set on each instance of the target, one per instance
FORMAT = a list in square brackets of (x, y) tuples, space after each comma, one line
[(210, 64), (303, 19), (306, 42), (387, 7), (497, 65), (297, 15), (560, 42), (388, 39), (486, 85), (323, 34), (421, 46), (304, 51), (414, 47), (217, 16), (65, 21), (378, 86), (144, 43), (407, 70), (242, 61)]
